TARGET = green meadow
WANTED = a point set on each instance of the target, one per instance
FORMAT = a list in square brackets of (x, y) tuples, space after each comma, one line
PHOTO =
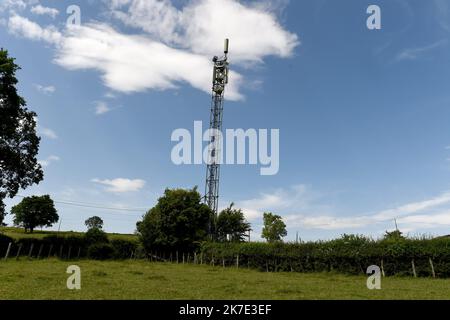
[(136, 279)]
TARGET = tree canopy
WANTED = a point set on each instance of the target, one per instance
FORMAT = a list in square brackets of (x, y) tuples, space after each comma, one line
[(179, 221), (19, 143), (274, 228), (94, 222), (231, 225), (34, 212)]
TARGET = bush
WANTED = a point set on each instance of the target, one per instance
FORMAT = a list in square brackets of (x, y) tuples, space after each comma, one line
[(4, 243), (349, 254), (123, 248), (100, 251), (95, 235)]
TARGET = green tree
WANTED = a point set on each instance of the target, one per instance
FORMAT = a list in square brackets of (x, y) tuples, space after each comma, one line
[(179, 221), (95, 235), (274, 227), (394, 235), (231, 225), (34, 212), (19, 143), (94, 222)]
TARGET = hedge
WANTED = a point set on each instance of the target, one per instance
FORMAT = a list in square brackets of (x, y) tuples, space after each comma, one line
[(70, 247), (349, 255)]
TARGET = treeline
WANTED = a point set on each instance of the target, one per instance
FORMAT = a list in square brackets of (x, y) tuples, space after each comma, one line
[(349, 254)]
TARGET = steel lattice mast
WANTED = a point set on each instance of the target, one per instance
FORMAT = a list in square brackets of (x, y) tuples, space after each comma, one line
[(220, 79)]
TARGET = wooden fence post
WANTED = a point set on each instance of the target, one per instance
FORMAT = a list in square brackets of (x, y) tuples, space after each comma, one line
[(382, 268), (31, 250), (40, 250), (18, 251), (432, 268), (70, 251), (237, 261), (7, 251), (50, 251), (177, 256), (413, 268), (195, 257), (223, 262), (201, 258), (183, 257)]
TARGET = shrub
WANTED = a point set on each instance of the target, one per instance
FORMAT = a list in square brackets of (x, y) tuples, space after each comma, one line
[(4, 243), (123, 248), (100, 251), (95, 235), (179, 221), (349, 254)]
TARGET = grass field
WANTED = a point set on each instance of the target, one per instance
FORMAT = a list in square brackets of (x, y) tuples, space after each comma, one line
[(18, 233), (46, 279)]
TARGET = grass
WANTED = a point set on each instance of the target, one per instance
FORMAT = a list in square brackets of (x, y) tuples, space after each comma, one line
[(18, 233), (46, 279)]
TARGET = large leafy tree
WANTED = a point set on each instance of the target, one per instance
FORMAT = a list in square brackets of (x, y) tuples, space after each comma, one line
[(231, 225), (94, 222), (274, 228), (34, 212), (179, 221), (19, 143)]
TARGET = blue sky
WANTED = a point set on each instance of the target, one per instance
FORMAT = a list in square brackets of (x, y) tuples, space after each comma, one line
[(363, 114)]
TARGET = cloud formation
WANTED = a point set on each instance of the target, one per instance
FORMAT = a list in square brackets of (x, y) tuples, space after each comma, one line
[(41, 10), (101, 108), (48, 90), (135, 63), (169, 46), (121, 185), (48, 161), (201, 26), (302, 209), (21, 26), (415, 53)]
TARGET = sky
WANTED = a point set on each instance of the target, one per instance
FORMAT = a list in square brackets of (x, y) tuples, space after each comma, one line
[(362, 114)]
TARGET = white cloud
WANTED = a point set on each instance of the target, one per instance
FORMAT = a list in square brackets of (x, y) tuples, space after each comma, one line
[(298, 198), (442, 8), (45, 89), (48, 161), (176, 47), (301, 208), (121, 185), (101, 108), (47, 132), (136, 63), (415, 53), (41, 10), (15, 4), (201, 26), (110, 95), (21, 26), (401, 213)]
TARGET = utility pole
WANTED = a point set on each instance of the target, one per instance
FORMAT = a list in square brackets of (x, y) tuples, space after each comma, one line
[(220, 80)]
